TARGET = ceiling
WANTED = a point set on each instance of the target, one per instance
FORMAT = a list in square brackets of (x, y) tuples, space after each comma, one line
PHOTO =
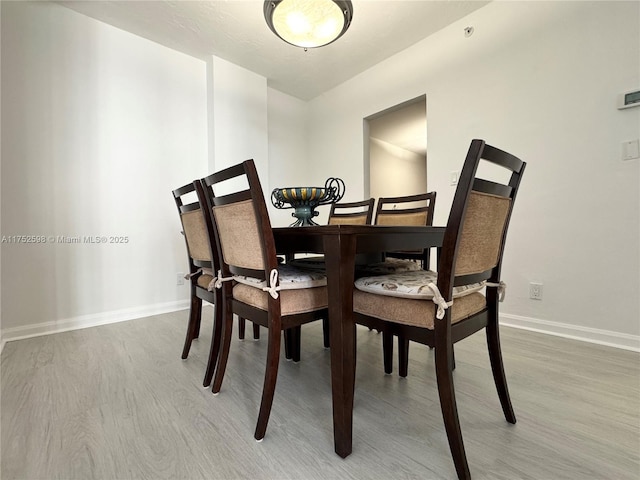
[(235, 30)]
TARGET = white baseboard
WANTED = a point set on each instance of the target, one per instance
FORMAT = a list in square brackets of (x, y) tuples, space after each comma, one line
[(86, 321), (586, 334)]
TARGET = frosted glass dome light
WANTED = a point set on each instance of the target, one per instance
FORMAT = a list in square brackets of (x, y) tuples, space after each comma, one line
[(308, 23)]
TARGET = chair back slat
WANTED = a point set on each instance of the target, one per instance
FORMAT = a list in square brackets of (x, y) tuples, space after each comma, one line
[(228, 173), (180, 192), (351, 213), (486, 186), (234, 197), (504, 159), (189, 207)]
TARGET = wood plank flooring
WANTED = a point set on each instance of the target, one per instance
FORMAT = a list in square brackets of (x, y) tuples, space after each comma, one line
[(117, 402)]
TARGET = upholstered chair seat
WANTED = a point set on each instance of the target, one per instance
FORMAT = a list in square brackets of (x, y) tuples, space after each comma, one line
[(289, 278), (291, 301), (418, 284), (206, 279), (408, 298), (419, 313), (300, 291)]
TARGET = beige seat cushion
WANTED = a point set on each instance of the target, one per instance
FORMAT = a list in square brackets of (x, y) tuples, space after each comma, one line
[(205, 278), (291, 301), (289, 278), (204, 281), (413, 284), (408, 311)]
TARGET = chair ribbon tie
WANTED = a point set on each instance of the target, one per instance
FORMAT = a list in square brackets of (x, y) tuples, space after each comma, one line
[(439, 300), (502, 289), (204, 271), (273, 282), (217, 281), (189, 276)]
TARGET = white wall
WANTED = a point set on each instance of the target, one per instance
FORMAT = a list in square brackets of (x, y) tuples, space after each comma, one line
[(237, 117), (395, 171), (539, 79), (249, 120), (287, 149), (99, 127)]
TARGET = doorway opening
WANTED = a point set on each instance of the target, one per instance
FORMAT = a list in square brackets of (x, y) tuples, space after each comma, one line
[(395, 150)]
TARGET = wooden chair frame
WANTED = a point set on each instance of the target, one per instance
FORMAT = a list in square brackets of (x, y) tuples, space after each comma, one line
[(271, 318), (445, 334), (198, 293)]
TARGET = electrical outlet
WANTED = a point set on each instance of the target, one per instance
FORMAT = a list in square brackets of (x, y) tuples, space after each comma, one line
[(180, 278), (535, 291)]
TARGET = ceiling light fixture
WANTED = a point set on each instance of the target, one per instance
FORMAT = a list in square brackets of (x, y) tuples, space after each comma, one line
[(308, 23)]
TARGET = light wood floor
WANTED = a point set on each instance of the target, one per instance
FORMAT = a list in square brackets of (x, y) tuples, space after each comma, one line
[(117, 402)]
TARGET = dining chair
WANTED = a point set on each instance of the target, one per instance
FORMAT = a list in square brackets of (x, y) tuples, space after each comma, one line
[(253, 284), (203, 261), (440, 309), (408, 210)]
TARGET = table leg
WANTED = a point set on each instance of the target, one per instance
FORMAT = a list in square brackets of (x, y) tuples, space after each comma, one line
[(340, 259)]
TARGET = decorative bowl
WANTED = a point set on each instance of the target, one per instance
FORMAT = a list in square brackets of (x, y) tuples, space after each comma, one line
[(304, 200)]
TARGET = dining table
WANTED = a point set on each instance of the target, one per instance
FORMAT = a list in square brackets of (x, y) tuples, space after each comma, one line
[(340, 244)]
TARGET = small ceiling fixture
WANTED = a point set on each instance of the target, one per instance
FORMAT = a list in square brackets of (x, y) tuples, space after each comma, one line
[(308, 23)]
